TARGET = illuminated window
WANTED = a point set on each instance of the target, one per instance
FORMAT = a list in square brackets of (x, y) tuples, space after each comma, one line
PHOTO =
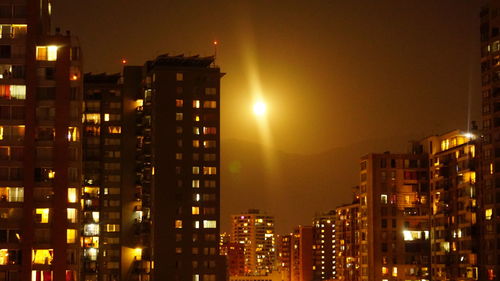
[(196, 103), (178, 156), (179, 76), (196, 197), (385, 270), (71, 215), (195, 210), (12, 194), (42, 215), (196, 130), (114, 129), (210, 104), (178, 224), (48, 53), (488, 213), (209, 170), (383, 199), (106, 117), (70, 236), (179, 103), (195, 184), (112, 227), (196, 143), (91, 229), (18, 92), (196, 224), (138, 254), (72, 198), (395, 272), (178, 116), (209, 130), (197, 118), (4, 257), (73, 134), (209, 224), (92, 118), (139, 103), (209, 144), (42, 256), (196, 170)]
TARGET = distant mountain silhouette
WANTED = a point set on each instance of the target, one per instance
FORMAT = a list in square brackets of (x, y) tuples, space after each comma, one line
[(292, 187)]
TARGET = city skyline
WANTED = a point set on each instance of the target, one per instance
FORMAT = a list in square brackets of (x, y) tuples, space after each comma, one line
[(375, 156), (321, 90)]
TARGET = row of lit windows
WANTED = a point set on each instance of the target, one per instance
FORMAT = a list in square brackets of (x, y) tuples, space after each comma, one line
[(197, 103), (196, 130), (206, 170), (196, 224), (95, 118)]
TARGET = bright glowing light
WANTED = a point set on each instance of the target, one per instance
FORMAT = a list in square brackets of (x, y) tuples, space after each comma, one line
[(259, 108)]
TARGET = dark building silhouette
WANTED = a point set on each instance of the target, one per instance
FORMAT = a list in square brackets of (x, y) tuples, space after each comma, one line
[(109, 215), (178, 166), (301, 255), (40, 149), (489, 173)]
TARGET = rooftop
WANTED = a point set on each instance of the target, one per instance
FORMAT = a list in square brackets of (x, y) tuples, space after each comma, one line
[(101, 78), (181, 60)]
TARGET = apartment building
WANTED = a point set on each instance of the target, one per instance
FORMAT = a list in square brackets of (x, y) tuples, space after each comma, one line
[(454, 229), (255, 230), (394, 217), (324, 251)]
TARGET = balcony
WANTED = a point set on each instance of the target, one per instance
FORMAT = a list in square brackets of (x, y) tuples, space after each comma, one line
[(142, 267)]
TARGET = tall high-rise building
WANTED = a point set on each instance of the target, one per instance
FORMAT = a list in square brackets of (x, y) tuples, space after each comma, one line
[(301, 255), (324, 265), (347, 241), (489, 199), (255, 230), (454, 235), (40, 149), (108, 138), (283, 255), (178, 147), (394, 215)]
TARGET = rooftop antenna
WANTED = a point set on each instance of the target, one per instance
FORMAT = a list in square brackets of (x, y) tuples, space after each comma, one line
[(215, 48)]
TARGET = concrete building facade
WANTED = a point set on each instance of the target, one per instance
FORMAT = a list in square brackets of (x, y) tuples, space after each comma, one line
[(394, 217)]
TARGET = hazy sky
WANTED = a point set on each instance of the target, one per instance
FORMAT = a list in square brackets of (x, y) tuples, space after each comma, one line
[(333, 72)]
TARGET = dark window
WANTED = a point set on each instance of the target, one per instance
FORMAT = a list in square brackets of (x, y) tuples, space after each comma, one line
[(18, 71), (50, 73), (5, 11), (17, 113), (5, 112), (5, 51), (46, 93), (19, 11)]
